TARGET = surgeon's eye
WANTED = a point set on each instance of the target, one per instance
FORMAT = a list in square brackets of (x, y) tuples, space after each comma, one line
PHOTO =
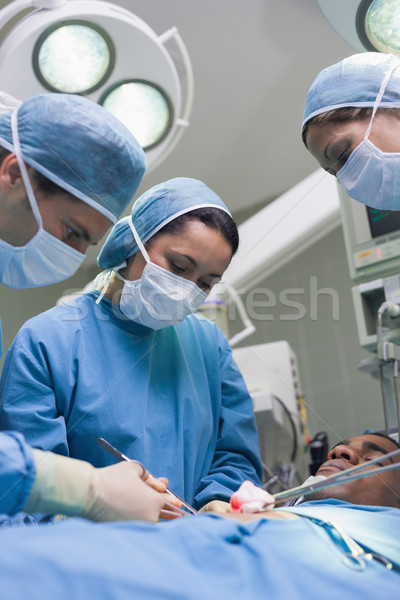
[(341, 159), (203, 285), (177, 269), (72, 235)]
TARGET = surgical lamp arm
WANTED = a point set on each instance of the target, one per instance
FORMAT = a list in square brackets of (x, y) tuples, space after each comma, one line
[(12, 9), (248, 325)]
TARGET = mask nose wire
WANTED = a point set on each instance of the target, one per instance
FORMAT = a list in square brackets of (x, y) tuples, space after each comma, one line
[(379, 97), (24, 172)]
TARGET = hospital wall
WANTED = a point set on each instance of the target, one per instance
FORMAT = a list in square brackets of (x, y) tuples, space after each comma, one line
[(310, 306), (340, 399)]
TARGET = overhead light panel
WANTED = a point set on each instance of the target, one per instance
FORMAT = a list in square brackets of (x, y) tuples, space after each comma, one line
[(142, 107), (73, 57), (382, 26), (372, 25), (100, 50)]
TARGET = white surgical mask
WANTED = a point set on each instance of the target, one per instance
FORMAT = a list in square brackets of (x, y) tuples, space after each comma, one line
[(159, 298), (44, 259), (370, 175)]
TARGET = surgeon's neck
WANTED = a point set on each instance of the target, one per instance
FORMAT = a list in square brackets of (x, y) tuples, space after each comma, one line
[(114, 290)]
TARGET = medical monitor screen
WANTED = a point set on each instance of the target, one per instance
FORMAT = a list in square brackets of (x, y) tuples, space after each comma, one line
[(382, 222)]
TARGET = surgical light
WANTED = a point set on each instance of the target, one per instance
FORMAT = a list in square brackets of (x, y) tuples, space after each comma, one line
[(143, 108), (103, 51), (73, 57), (382, 25), (372, 25)]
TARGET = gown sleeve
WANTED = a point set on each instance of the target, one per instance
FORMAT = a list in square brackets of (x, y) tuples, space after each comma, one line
[(17, 472), (237, 454), (28, 400)]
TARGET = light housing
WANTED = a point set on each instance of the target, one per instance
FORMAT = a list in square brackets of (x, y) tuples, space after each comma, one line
[(74, 57), (367, 25), (136, 53)]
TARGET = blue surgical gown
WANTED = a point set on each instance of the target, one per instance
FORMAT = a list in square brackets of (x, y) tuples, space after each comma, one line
[(173, 399), (17, 472), (202, 557), (17, 469)]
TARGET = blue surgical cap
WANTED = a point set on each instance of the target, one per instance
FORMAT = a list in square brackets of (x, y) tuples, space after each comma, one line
[(79, 146), (151, 212), (354, 81)]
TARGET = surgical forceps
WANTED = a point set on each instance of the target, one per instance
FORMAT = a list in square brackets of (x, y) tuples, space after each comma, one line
[(117, 454), (354, 556), (346, 475)]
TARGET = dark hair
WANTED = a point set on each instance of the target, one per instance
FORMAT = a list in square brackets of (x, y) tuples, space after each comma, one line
[(384, 436), (44, 185), (338, 115), (212, 217)]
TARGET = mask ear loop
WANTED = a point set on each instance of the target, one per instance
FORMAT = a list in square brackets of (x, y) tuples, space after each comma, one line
[(379, 98), (139, 241), (107, 280), (24, 172), (116, 269)]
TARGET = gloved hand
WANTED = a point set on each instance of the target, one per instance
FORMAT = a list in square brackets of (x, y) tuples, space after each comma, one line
[(118, 493), (251, 499), (217, 506), (75, 488)]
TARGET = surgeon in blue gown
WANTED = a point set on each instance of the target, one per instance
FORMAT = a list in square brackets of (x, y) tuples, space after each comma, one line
[(280, 554), (351, 125), (68, 169), (133, 365)]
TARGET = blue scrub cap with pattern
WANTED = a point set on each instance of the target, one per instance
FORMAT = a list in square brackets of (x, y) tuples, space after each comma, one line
[(151, 212), (354, 81), (81, 147)]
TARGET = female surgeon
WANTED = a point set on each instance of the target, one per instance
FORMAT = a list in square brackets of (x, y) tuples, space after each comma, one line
[(68, 169), (133, 365), (351, 125)]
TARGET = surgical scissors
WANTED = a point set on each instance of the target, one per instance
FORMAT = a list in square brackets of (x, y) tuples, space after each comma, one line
[(346, 475), (117, 454)]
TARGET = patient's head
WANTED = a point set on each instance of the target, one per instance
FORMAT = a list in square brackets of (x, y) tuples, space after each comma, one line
[(376, 490)]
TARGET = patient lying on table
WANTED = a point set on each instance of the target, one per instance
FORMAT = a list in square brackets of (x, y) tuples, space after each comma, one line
[(340, 542)]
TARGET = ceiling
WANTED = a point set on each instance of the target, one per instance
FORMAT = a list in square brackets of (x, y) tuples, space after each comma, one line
[(253, 62)]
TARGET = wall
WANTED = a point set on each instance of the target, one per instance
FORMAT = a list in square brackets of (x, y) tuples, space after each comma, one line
[(340, 399)]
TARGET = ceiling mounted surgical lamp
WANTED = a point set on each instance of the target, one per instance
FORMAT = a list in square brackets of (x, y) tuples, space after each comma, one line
[(104, 52), (367, 25)]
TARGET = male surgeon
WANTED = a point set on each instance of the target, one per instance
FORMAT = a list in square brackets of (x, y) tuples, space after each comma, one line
[(68, 169)]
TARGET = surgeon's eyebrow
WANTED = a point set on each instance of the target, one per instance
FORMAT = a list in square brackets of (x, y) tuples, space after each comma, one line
[(81, 229)]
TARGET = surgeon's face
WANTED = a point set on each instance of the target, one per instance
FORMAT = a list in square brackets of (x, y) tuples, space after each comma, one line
[(377, 490), (332, 143), (67, 218), (72, 221), (198, 253)]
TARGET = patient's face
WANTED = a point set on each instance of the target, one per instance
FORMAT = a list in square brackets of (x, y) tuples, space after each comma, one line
[(377, 490)]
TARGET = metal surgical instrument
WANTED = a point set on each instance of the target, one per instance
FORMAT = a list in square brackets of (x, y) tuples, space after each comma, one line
[(117, 454), (354, 556), (346, 475)]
